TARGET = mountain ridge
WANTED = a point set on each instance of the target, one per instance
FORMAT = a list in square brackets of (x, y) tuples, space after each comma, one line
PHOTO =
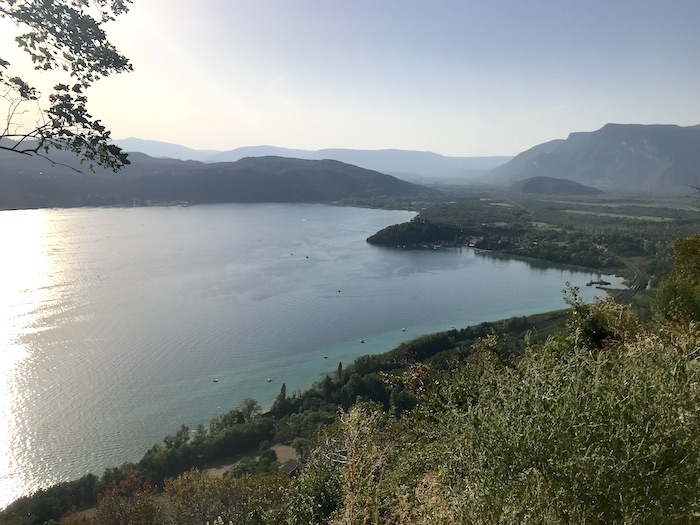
[(656, 158), (416, 166), (32, 182), (552, 186)]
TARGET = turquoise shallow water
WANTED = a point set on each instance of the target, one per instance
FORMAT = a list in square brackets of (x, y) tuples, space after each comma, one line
[(114, 323)]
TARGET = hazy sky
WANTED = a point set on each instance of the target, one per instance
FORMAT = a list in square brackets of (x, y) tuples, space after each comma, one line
[(463, 77)]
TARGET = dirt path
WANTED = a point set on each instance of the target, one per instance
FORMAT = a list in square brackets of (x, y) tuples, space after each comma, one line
[(285, 453)]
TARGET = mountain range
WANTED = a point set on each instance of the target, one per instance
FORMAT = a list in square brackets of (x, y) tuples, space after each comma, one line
[(31, 182), (617, 157), (415, 166)]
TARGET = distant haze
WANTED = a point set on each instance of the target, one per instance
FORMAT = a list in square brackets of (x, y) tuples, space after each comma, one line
[(32, 182), (417, 166)]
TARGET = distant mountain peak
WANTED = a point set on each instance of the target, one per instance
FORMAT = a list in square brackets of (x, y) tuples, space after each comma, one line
[(552, 186), (416, 166), (158, 149), (623, 157), (29, 182)]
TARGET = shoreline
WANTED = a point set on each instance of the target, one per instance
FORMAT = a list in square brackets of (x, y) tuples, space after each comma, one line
[(541, 321), (409, 335)]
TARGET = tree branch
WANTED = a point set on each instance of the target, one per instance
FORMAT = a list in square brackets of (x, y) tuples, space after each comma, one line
[(62, 34)]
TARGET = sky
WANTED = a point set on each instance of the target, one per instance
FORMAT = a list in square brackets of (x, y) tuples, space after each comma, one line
[(460, 78)]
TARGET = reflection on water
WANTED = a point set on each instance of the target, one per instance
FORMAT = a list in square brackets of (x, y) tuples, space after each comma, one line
[(25, 274)]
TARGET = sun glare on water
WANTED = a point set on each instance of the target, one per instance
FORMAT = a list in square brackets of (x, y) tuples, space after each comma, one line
[(24, 276)]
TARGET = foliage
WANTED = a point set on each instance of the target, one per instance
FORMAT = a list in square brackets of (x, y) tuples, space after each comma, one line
[(52, 502), (195, 498), (318, 491), (574, 435), (602, 324), (250, 409), (416, 232), (264, 463), (677, 299), (598, 424), (339, 482), (65, 36), (132, 501)]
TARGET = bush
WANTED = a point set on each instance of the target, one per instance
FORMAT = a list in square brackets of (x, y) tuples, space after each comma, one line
[(598, 424)]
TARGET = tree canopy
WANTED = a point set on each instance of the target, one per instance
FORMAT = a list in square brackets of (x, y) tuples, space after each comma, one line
[(65, 36)]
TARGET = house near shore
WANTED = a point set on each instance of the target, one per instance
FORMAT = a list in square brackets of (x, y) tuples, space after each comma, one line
[(291, 468)]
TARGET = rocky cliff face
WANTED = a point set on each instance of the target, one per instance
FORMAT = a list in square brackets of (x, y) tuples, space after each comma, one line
[(628, 157)]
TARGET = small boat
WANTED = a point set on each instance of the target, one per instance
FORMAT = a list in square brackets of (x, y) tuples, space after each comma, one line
[(269, 380), (403, 329), (362, 341), (216, 380), (325, 357)]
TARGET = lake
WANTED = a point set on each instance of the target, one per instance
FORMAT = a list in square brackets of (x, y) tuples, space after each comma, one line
[(116, 322)]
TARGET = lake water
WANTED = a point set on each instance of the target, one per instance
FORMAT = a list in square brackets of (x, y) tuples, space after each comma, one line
[(114, 323)]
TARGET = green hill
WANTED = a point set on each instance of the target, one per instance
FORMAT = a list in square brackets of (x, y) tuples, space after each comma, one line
[(27, 182), (552, 186)]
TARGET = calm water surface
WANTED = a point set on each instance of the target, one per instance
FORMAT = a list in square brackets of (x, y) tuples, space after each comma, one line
[(114, 323)]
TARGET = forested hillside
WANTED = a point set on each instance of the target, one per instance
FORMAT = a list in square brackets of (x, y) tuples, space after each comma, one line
[(552, 186), (30, 182)]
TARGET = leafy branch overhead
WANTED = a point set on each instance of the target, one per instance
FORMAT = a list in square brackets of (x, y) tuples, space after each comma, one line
[(65, 36)]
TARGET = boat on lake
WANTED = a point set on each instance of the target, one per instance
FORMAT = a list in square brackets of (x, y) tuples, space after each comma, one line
[(598, 283)]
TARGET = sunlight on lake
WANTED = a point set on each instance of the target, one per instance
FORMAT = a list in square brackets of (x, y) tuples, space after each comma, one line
[(25, 275)]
